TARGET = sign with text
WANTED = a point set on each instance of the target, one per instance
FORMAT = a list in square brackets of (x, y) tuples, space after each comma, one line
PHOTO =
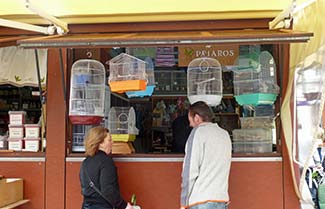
[(225, 54)]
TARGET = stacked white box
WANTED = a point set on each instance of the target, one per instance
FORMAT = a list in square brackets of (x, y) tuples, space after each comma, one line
[(15, 144), (17, 117), (32, 137), (16, 130), (32, 131), (22, 136), (32, 144)]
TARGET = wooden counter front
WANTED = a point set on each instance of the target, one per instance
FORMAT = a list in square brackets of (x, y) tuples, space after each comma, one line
[(254, 182), (32, 171)]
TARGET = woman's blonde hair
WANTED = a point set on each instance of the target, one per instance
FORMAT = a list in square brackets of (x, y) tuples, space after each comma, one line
[(94, 138)]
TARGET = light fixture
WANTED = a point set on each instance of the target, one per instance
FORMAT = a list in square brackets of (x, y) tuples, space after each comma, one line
[(61, 27)]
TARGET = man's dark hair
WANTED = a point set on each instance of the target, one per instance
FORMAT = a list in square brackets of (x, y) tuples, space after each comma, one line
[(202, 109)]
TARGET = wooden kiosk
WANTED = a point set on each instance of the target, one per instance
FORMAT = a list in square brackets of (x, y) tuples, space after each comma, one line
[(51, 177)]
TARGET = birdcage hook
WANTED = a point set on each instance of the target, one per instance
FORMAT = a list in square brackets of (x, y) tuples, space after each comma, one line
[(89, 54)]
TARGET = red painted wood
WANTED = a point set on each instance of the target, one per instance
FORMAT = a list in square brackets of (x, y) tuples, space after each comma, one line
[(56, 126), (253, 185), (33, 175)]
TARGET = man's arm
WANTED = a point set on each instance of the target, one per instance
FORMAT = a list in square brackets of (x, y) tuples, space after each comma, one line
[(191, 166)]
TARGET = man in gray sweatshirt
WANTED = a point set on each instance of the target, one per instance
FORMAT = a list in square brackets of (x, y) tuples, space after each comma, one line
[(207, 162)]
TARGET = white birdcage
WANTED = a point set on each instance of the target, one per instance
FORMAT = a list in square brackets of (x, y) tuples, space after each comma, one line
[(127, 73), (257, 84), (122, 124), (87, 92), (204, 81), (150, 81)]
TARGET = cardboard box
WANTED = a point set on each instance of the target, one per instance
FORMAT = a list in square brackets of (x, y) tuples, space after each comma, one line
[(122, 148), (11, 190)]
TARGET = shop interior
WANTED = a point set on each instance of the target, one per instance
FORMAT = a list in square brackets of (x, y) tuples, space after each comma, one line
[(160, 116)]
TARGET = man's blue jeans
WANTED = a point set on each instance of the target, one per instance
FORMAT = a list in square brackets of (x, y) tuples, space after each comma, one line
[(211, 205)]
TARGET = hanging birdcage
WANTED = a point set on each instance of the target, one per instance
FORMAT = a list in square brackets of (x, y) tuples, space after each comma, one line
[(204, 81), (257, 84), (121, 124), (87, 92), (150, 81), (127, 73)]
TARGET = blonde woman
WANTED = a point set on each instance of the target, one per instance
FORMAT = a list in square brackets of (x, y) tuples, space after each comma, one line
[(98, 174)]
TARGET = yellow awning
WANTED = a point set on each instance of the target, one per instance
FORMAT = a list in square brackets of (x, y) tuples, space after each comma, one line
[(104, 11), (311, 19)]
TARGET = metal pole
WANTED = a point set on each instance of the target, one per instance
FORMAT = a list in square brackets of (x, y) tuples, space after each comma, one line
[(38, 76), (62, 76)]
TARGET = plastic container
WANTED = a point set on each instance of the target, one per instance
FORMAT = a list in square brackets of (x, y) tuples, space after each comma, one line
[(150, 86), (121, 124), (257, 122), (204, 81), (32, 130), (256, 99), (256, 85), (17, 117), (252, 134), (127, 73), (32, 144), (15, 144), (264, 110), (252, 147), (87, 92), (16, 131)]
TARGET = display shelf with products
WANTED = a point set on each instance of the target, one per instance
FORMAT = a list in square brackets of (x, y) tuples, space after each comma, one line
[(18, 99), (227, 114), (170, 81), (165, 111)]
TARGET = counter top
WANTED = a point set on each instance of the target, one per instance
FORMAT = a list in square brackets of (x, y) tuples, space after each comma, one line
[(179, 158), (41, 157)]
